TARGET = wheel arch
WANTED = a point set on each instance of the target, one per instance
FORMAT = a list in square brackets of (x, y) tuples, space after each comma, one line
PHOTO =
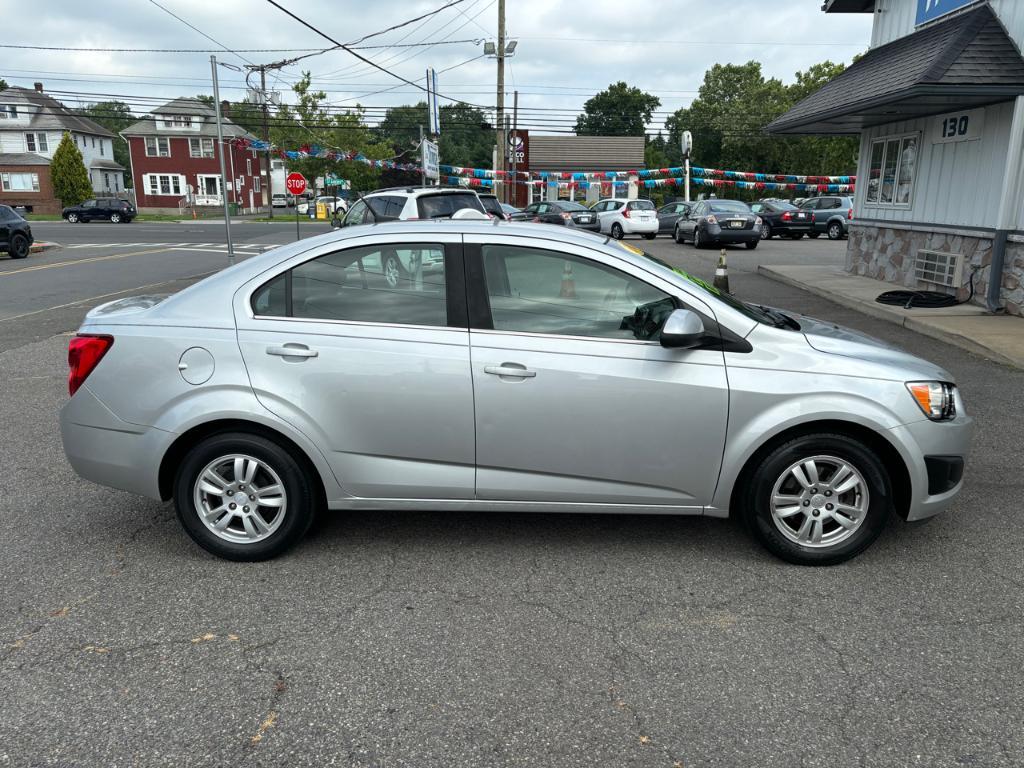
[(895, 466), (190, 438)]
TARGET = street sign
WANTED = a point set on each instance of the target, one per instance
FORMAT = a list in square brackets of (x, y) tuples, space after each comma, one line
[(433, 113), (295, 183), (430, 160)]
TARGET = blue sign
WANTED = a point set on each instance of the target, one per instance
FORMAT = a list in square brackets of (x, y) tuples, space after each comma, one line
[(932, 9)]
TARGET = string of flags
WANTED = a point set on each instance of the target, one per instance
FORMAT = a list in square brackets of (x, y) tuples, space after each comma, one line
[(761, 185)]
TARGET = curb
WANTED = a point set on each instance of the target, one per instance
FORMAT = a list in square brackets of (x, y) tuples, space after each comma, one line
[(882, 312), (40, 247)]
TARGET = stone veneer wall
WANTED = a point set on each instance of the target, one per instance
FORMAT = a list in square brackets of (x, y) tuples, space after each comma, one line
[(887, 254)]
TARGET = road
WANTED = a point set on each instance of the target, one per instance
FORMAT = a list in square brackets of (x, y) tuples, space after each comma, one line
[(522, 640)]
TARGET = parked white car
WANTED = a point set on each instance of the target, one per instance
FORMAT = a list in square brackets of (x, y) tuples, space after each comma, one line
[(620, 216), (279, 200)]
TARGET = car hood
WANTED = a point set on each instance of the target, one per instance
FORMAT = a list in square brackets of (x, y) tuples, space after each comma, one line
[(835, 339)]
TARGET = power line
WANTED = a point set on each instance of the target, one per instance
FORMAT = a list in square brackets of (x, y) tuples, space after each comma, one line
[(196, 29)]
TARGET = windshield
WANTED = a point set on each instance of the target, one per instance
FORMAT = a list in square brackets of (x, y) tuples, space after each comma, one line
[(728, 206)]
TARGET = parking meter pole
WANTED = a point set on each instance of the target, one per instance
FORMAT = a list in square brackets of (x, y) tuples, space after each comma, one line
[(220, 153)]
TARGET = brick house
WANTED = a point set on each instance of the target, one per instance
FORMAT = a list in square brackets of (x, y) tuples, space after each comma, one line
[(175, 164), (32, 125)]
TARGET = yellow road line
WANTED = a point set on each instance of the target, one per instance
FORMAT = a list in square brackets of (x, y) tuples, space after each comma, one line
[(73, 262)]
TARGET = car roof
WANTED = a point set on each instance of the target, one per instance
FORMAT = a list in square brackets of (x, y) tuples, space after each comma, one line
[(415, 191)]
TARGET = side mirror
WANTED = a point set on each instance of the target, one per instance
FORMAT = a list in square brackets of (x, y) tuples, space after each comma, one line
[(682, 330)]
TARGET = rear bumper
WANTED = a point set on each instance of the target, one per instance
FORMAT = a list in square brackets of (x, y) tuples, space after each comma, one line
[(716, 234), (637, 227), (594, 226), (937, 457)]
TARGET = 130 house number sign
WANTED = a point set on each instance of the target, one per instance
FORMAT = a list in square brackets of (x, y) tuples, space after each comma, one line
[(958, 126)]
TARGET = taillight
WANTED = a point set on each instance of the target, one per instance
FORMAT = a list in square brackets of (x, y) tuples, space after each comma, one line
[(849, 214), (625, 212), (566, 216), (787, 216), (711, 219), (84, 353)]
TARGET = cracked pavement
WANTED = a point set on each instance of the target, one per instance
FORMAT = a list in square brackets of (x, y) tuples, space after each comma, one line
[(443, 639)]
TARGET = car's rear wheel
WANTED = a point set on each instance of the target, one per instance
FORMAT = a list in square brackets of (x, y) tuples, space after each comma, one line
[(73, 218), (835, 230), (19, 247), (698, 241), (115, 218), (818, 499), (766, 230), (394, 272), (617, 231), (243, 497)]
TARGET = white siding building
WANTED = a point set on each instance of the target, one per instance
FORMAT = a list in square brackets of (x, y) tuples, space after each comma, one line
[(937, 104)]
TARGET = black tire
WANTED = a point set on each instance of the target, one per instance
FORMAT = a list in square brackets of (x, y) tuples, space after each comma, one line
[(72, 218), (115, 218), (648, 236), (617, 231), (300, 509), (698, 242), (677, 235), (766, 230), (756, 496), (752, 244), (392, 267), (19, 247), (814, 235), (835, 231)]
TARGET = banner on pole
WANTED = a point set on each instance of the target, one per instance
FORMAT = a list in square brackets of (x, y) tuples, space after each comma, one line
[(434, 114), (430, 160)]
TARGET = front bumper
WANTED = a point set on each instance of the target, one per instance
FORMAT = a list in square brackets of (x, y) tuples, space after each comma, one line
[(925, 442)]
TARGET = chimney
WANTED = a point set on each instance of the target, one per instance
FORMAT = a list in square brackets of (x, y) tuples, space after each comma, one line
[(225, 108), (38, 87)]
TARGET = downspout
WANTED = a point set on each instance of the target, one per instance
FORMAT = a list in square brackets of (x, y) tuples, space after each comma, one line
[(131, 172), (1009, 207)]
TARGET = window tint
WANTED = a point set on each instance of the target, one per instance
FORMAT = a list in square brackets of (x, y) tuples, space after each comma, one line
[(811, 205), (270, 300), (357, 215), (614, 205), (599, 207), (491, 205), (442, 206), (543, 208), (89, 204), (728, 206), (403, 283), (379, 208), (538, 291), (682, 207), (641, 205)]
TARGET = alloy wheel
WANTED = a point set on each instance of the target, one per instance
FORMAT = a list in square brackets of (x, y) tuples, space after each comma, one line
[(115, 218), (240, 498), (73, 218), (766, 231), (819, 501), (835, 232), (392, 271)]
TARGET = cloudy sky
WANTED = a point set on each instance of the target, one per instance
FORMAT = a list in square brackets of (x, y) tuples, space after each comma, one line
[(567, 51)]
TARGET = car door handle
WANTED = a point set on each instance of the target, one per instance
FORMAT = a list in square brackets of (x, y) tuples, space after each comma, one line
[(292, 350), (509, 369)]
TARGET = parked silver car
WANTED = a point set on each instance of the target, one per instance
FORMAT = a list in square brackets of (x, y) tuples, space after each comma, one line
[(533, 368)]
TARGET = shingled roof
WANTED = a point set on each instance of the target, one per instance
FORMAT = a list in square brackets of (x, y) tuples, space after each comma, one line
[(964, 62), (50, 114), (207, 119)]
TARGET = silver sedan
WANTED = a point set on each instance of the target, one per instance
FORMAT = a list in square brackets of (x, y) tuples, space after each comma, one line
[(501, 367)]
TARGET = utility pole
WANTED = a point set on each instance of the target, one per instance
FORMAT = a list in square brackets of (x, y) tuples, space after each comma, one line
[(423, 170), (220, 154), (502, 143), (515, 148), (266, 139)]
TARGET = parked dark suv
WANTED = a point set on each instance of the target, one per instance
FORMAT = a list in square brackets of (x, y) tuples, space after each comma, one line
[(15, 233), (832, 215), (108, 208)]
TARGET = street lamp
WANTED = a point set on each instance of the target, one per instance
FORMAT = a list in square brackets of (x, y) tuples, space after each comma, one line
[(500, 50)]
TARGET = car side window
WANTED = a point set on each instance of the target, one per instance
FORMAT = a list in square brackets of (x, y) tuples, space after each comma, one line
[(810, 205), (356, 215), (89, 204), (543, 208), (402, 283), (682, 208), (615, 205), (532, 290), (756, 207)]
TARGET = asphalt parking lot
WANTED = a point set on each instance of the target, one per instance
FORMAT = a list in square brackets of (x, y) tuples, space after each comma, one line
[(446, 639)]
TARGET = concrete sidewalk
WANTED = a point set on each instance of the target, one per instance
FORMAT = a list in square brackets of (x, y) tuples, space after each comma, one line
[(996, 337)]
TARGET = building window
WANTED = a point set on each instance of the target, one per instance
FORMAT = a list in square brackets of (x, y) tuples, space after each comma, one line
[(8, 111), (101, 147), (159, 184), (200, 147), (256, 185), (19, 182), (158, 146), (248, 167), (892, 170), (35, 142), (177, 121), (106, 181), (94, 142)]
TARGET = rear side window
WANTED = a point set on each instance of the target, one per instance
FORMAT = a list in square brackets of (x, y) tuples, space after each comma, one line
[(491, 205), (641, 205), (443, 206), (394, 284)]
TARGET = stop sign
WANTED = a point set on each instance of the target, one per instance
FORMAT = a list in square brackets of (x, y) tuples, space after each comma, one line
[(295, 183)]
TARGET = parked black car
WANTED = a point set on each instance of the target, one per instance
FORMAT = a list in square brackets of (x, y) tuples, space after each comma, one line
[(832, 215), (714, 222), (563, 212), (669, 214), (15, 233), (109, 208), (782, 218)]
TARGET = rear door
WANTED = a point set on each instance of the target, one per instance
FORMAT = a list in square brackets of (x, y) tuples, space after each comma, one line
[(576, 401), (377, 375)]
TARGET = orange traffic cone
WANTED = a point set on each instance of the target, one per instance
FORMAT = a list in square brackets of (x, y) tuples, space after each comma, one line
[(568, 283)]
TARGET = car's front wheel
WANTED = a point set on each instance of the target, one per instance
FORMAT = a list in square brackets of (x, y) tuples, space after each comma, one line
[(766, 230), (617, 231), (698, 241), (677, 235), (73, 218), (243, 497), (818, 499), (115, 218), (19, 247)]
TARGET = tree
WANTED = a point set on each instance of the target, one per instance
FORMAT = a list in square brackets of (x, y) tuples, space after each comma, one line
[(3, 84), (206, 98), (620, 110), (467, 138), (115, 116), (68, 174)]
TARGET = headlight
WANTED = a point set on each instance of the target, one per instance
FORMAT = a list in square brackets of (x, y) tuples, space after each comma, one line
[(935, 398)]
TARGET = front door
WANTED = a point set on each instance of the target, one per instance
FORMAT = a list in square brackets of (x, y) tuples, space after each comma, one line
[(576, 401), (375, 373), (88, 211)]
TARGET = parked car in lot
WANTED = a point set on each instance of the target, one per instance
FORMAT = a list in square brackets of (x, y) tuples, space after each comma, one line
[(301, 203), (717, 222), (302, 379), (15, 233), (404, 203), (832, 215), (279, 200), (563, 212), (112, 209), (509, 210), (782, 218), (669, 214), (620, 216)]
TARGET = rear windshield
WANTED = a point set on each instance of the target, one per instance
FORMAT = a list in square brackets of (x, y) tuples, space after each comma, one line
[(491, 205), (641, 205), (728, 206), (783, 205), (568, 205), (443, 206)]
